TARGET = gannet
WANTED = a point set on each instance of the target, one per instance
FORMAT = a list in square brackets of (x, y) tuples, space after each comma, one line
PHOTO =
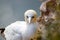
[(22, 30)]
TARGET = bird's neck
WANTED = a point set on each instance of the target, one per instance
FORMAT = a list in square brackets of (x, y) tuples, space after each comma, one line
[(31, 23)]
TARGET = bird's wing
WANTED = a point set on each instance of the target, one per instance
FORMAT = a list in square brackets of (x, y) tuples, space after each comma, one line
[(12, 35), (13, 31)]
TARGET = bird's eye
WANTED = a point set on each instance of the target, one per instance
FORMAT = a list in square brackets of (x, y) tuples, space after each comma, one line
[(32, 16), (27, 16)]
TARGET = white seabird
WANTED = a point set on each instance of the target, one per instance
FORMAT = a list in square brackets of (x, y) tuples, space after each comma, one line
[(22, 30)]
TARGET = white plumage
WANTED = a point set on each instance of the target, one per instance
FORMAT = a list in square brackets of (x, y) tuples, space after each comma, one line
[(22, 30)]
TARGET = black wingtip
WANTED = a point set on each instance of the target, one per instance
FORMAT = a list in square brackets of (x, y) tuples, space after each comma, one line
[(2, 30)]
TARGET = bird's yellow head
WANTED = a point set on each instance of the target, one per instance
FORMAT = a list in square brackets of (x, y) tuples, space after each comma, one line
[(30, 16)]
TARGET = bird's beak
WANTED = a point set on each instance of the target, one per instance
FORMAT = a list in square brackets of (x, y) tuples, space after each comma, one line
[(29, 20)]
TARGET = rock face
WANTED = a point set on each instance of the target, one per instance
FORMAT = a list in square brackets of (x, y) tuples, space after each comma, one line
[(49, 20)]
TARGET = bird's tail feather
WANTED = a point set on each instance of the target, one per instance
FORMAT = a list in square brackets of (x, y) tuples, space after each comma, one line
[(2, 30)]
